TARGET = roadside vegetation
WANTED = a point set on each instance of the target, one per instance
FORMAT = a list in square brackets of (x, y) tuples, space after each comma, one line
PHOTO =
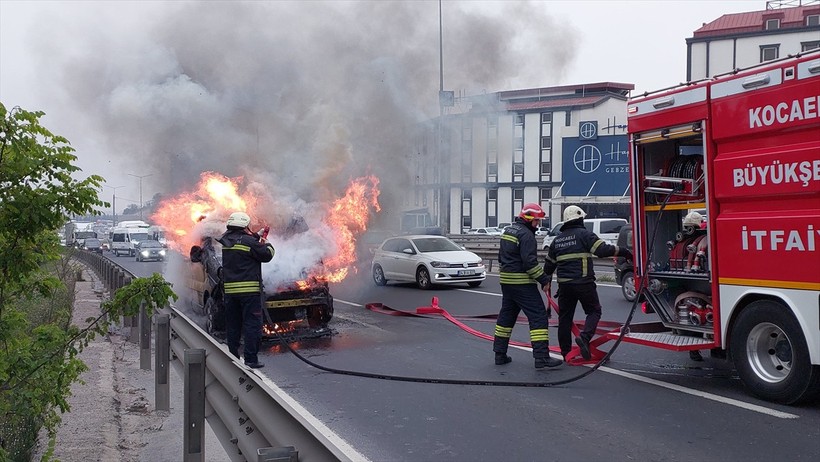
[(39, 191)]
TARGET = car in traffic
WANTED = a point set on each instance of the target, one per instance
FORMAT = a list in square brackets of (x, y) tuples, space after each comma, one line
[(491, 231), (605, 228), (426, 260), (93, 244), (149, 250), (624, 269)]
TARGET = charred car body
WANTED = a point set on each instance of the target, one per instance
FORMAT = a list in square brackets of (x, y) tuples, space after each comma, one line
[(302, 307)]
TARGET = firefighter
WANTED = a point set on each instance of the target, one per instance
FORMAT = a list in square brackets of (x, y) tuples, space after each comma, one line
[(243, 253), (571, 255), (519, 274)]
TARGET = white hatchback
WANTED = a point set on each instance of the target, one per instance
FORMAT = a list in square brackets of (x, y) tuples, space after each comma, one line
[(426, 260)]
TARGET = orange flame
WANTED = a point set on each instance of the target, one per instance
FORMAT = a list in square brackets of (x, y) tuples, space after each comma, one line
[(216, 196)]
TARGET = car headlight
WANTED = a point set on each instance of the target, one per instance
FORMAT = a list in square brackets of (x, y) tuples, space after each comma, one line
[(162, 252), (439, 264), (144, 253)]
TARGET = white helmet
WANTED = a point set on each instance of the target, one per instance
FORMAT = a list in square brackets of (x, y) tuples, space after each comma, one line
[(239, 220), (573, 212), (693, 219)]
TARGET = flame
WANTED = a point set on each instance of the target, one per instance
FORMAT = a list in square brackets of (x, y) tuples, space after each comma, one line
[(348, 217), (216, 196)]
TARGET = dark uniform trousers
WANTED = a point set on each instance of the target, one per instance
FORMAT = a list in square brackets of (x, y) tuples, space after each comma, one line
[(514, 299), (568, 297), (247, 309)]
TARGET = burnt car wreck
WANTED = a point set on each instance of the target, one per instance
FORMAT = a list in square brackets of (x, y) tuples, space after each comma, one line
[(298, 309)]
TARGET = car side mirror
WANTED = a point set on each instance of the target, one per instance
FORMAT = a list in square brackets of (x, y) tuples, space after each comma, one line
[(408, 251), (196, 254)]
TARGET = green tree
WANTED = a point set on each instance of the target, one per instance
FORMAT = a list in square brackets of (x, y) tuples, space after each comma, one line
[(38, 191)]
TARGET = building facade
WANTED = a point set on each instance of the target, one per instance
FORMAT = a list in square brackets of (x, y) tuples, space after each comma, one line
[(555, 146), (737, 41)]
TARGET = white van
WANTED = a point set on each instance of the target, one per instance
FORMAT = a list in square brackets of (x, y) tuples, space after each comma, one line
[(605, 228), (124, 239)]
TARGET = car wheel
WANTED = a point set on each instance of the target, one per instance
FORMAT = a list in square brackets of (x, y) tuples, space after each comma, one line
[(423, 278), (215, 313), (771, 355), (474, 283), (138, 258), (628, 286), (378, 276)]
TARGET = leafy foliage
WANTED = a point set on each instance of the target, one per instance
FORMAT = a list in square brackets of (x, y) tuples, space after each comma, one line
[(38, 346)]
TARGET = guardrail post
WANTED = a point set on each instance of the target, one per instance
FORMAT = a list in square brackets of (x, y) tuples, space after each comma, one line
[(162, 359), (193, 439), (145, 339)]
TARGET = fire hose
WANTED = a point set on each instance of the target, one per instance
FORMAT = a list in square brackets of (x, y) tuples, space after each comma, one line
[(500, 383)]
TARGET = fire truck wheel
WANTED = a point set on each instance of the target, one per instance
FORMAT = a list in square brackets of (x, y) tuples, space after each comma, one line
[(378, 276), (771, 356), (423, 278), (628, 286)]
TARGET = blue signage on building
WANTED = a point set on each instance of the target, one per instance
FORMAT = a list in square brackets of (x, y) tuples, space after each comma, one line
[(602, 162)]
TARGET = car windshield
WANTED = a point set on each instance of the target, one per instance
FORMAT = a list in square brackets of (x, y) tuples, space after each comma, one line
[(138, 237), (426, 244), (92, 242), (147, 244)]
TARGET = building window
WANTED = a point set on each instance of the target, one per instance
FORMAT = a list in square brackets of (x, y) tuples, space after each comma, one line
[(546, 118), (546, 142), (806, 46), (545, 195), (769, 52), (772, 24), (518, 199), (492, 209), (466, 208), (813, 20), (492, 173), (546, 170), (518, 165), (568, 119), (519, 119)]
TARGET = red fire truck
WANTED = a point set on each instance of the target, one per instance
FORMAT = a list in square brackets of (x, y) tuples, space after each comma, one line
[(744, 147)]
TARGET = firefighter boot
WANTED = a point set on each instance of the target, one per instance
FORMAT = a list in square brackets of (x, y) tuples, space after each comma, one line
[(549, 361), (583, 345), (502, 358)]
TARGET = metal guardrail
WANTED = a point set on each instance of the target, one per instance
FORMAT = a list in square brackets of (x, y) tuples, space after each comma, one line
[(251, 419), (486, 247)]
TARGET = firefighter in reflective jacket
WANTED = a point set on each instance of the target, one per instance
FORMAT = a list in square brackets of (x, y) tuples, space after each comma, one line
[(571, 254), (520, 277), (243, 253)]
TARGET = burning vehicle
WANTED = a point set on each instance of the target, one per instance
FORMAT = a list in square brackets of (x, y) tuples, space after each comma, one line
[(291, 308), (297, 300)]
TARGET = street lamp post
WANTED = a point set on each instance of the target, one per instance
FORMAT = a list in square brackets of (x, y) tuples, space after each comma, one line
[(140, 177), (114, 201)]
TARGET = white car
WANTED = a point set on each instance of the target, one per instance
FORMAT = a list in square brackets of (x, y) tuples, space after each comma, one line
[(486, 231), (605, 228), (426, 260)]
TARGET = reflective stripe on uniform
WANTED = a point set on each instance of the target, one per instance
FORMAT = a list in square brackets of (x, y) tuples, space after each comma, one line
[(539, 335), (515, 278), (596, 245), (536, 272), (241, 247), (510, 237), (505, 332), (585, 259), (242, 287)]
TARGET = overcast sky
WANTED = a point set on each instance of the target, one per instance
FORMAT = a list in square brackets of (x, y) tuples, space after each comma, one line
[(306, 94)]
